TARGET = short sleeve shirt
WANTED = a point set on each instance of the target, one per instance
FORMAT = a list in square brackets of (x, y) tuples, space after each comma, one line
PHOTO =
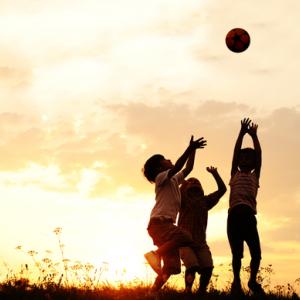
[(193, 215), (243, 190), (167, 195)]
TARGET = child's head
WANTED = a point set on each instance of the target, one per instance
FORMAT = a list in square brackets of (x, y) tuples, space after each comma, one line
[(154, 165), (192, 186), (247, 159)]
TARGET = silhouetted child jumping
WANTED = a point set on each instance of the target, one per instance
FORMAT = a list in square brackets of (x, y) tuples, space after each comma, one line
[(161, 227), (193, 217), (241, 222)]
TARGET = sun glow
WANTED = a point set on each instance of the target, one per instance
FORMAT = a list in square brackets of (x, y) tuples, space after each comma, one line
[(90, 89), (79, 76)]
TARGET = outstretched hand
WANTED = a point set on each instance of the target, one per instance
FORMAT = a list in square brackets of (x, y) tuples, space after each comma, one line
[(252, 130), (212, 170), (199, 143), (245, 125)]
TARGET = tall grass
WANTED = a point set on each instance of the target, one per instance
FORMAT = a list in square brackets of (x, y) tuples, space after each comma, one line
[(47, 278)]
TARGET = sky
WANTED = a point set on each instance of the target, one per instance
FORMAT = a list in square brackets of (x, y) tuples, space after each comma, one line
[(89, 90)]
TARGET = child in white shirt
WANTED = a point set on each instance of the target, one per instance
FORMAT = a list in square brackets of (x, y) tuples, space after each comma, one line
[(162, 229)]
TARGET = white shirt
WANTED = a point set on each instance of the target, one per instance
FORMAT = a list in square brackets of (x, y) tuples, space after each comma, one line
[(243, 190), (167, 195)]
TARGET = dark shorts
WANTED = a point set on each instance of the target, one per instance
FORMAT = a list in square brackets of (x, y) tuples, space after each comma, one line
[(163, 231), (242, 226)]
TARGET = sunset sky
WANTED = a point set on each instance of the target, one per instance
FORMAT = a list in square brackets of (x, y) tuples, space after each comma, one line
[(90, 89)]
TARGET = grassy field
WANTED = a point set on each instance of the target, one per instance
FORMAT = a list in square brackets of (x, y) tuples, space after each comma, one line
[(78, 283), (50, 279), (22, 290)]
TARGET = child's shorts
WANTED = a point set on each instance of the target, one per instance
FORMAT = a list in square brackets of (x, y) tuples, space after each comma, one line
[(201, 259), (163, 230)]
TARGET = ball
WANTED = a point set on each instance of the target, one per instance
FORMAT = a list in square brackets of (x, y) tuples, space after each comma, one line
[(237, 40)]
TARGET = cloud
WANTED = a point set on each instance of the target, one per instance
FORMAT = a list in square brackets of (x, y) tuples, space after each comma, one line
[(166, 128), (135, 131), (281, 161), (14, 77), (174, 119), (12, 120), (85, 100), (76, 148)]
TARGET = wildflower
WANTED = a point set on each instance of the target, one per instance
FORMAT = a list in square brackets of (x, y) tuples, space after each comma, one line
[(89, 266), (57, 230), (32, 253), (47, 260)]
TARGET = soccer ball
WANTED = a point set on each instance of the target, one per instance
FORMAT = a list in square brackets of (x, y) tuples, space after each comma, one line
[(237, 40)]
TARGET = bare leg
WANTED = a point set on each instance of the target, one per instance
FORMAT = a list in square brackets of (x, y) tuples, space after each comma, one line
[(236, 266), (254, 286), (254, 266), (236, 287), (160, 280), (189, 278), (204, 279)]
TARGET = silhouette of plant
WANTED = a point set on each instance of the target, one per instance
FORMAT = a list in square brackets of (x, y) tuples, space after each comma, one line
[(66, 279)]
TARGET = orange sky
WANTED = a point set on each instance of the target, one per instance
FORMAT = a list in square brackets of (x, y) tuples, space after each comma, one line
[(89, 91)]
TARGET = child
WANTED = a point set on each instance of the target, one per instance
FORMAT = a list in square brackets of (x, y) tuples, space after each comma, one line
[(193, 218), (241, 222), (161, 228)]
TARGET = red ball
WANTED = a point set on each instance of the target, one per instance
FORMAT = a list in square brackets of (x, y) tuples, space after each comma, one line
[(237, 40)]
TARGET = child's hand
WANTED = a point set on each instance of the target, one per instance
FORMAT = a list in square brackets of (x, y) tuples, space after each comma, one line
[(252, 130), (245, 125), (199, 143), (212, 170)]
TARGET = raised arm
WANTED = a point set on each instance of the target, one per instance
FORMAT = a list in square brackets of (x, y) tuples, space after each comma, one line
[(188, 154), (189, 164), (253, 133), (215, 197), (244, 129)]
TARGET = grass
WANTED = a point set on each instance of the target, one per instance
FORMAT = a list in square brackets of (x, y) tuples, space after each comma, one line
[(18, 290), (50, 279)]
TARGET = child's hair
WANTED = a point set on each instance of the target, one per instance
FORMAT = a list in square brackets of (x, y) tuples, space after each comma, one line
[(152, 167), (184, 185), (250, 152)]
